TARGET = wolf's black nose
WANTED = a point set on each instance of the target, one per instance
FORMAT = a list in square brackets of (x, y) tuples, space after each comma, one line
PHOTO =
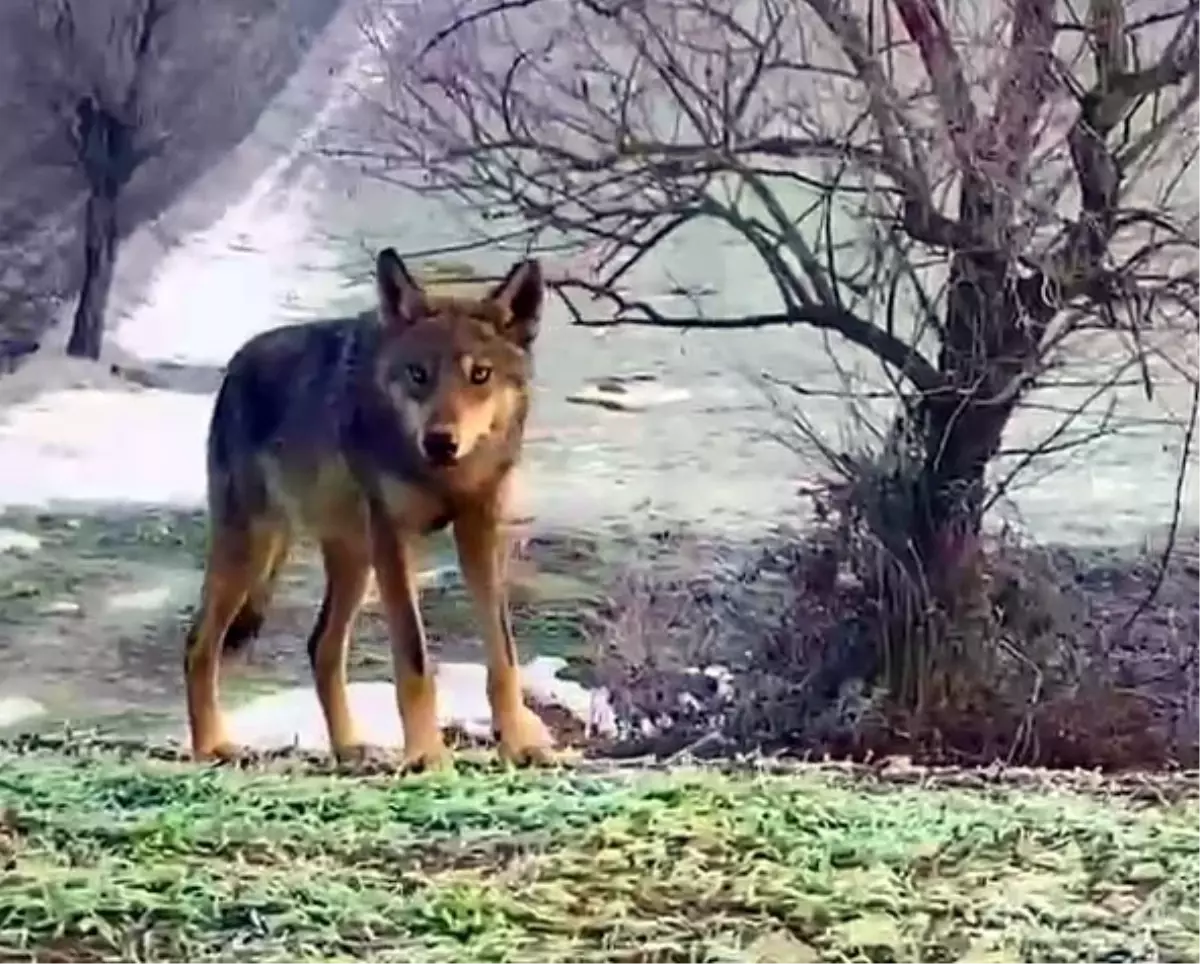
[(441, 448)]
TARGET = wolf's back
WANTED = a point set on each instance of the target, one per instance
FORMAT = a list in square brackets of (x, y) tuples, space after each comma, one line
[(285, 391)]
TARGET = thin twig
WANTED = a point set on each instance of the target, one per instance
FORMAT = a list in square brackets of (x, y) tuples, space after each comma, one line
[(1164, 562)]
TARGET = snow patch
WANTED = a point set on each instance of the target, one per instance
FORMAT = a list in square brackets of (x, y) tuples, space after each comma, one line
[(293, 717), (18, 543), (254, 278), (633, 393), (62, 607), (149, 599), (16, 709), (169, 588), (93, 445), (49, 372)]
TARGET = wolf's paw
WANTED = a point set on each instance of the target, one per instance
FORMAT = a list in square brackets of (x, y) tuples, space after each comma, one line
[(366, 756), (427, 754), (224, 751), (525, 740)]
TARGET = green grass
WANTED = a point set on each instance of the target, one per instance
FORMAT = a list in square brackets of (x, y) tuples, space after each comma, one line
[(110, 859)]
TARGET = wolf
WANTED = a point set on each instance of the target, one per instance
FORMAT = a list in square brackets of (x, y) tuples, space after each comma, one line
[(367, 434)]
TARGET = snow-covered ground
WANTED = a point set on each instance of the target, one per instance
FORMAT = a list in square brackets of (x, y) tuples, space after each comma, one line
[(293, 717), (115, 446), (18, 709), (260, 265)]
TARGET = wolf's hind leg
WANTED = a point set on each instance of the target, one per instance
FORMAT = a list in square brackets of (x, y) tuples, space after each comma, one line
[(238, 560), (248, 622)]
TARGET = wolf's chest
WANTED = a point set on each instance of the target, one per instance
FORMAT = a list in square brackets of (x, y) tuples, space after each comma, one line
[(327, 495)]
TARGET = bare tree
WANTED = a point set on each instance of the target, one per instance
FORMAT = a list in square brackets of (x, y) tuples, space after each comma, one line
[(115, 81), (1020, 177)]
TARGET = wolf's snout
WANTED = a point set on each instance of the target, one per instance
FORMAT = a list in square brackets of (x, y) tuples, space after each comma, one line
[(441, 448)]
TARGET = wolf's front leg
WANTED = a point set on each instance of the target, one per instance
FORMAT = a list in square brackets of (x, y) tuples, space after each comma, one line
[(347, 570), (480, 539), (416, 690)]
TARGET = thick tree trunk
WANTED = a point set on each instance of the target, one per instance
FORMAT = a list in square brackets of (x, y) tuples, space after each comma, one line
[(952, 489), (937, 603), (941, 611), (984, 355), (100, 252)]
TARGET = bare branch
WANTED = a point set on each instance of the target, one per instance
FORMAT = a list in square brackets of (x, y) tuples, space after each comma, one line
[(902, 357), (1185, 462), (926, 26), (972, 209), (1076, 269)]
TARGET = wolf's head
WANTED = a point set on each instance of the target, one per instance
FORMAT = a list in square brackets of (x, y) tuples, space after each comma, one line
[(457, 370)]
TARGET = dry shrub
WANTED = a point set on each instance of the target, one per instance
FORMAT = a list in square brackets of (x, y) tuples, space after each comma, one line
[(803, 645)]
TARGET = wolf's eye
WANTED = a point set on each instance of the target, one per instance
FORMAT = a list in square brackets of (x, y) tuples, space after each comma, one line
[(480, 374), (418, 374)]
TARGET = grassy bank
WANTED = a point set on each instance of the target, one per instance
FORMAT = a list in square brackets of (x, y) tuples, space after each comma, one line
[(106, 858)]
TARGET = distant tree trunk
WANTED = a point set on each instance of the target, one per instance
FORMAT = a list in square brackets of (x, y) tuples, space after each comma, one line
[(108, 158), (100, 251)]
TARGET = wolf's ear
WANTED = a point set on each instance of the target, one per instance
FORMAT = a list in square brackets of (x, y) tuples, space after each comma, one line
[(521, 294), (401, 299)]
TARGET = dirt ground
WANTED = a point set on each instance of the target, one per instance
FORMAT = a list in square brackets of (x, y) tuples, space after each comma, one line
[(94, 607)]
